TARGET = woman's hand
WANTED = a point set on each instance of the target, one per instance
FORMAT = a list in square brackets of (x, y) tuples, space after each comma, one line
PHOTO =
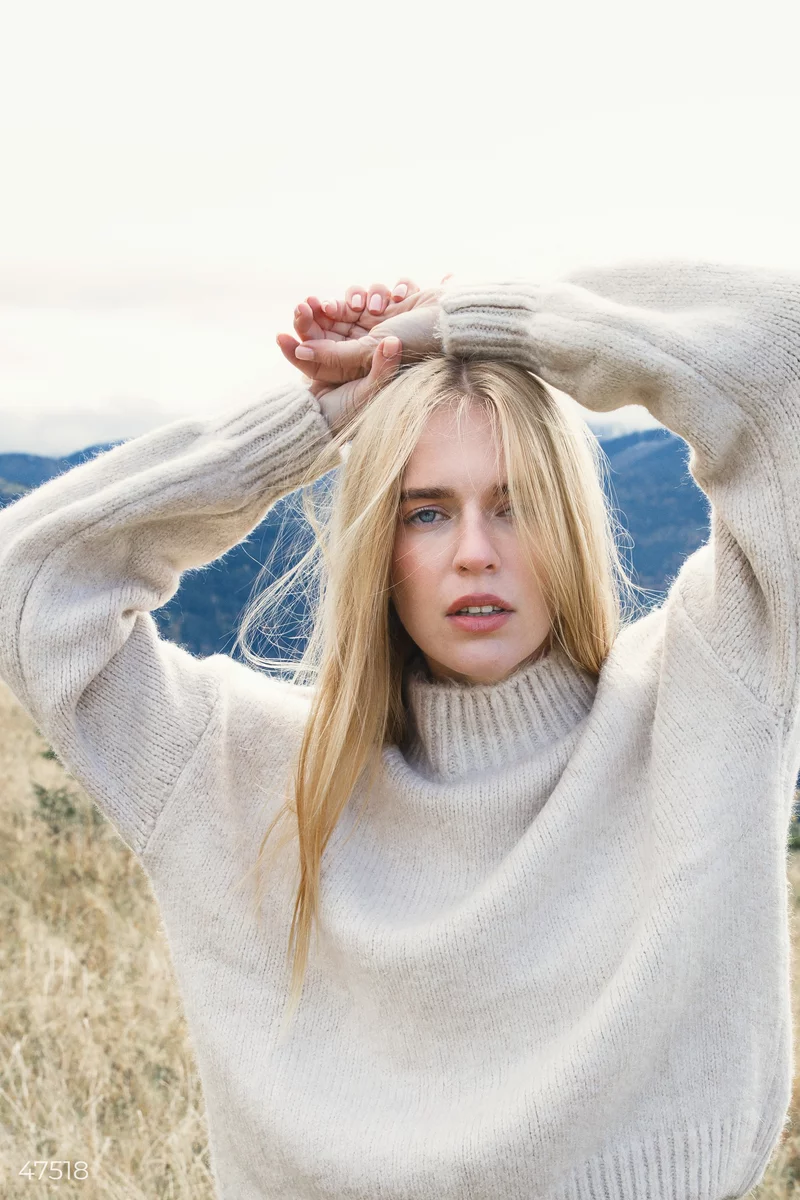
[(340, 404), (337, 339), (355, 315)]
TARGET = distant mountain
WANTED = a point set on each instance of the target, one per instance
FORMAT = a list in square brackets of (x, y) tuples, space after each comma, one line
[(656, 501), (21, 472)]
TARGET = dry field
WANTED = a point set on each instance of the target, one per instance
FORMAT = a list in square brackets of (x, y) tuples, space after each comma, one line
[(95, 1062)]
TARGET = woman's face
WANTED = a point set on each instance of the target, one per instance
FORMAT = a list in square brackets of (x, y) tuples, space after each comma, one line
[(466, 542)]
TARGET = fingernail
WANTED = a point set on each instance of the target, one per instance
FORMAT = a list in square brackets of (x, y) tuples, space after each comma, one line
[(375, 303), (330, 307), (399, 292), (357, 301), (304, 352), (390, 346)]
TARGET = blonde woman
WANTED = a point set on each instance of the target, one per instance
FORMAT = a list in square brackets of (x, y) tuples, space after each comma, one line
[(543, 852)]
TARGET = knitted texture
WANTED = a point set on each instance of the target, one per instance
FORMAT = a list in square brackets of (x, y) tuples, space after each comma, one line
[(553, 960)]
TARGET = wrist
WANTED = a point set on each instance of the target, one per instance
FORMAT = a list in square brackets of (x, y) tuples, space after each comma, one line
[(487, 320)]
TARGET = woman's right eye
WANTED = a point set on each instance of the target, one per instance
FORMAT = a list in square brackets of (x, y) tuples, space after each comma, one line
[(506, 510), (420, 511)]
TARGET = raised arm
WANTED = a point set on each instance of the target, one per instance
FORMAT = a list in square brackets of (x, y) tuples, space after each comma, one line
[(713, 352), (86, 556)]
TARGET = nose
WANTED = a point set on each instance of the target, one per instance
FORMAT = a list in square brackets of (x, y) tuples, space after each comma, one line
[(475, 550)]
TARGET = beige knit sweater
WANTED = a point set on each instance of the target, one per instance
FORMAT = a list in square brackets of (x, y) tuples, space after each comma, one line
[(554, 956)]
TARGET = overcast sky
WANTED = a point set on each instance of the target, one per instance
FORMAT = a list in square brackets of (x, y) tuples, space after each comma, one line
[(175, 177)]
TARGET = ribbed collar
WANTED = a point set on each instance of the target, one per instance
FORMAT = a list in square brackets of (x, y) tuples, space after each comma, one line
[(460, 729)]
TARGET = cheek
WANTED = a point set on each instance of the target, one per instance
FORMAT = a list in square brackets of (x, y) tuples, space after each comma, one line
[(408, 570), (398, 586), (401, 559)]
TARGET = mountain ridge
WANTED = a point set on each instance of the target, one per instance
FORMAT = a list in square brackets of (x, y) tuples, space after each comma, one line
[(662, 517)]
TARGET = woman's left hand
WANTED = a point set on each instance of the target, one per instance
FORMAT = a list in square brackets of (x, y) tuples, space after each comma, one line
[(354, 316)]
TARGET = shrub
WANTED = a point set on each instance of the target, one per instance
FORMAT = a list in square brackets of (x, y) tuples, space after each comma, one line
[(63, 811)]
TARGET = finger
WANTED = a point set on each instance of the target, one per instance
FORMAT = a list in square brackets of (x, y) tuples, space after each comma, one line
[(386, 359), (355, 298), (390, 354), (377, 298), (404, 287), (361, 305), (323, 319), (312, 317), (334, 362), (311, 322), (383, 366), (288, 345), (361, 309), (305, 322), (350, 317), (330, 308)]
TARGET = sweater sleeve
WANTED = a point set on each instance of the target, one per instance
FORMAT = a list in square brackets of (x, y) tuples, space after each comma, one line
[(87, 555), (713, 352)]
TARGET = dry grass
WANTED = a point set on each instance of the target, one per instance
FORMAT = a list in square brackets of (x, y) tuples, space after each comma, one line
[(95, 1060)]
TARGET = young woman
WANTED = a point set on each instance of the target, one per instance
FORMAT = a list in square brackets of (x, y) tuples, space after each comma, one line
[(551, 955)]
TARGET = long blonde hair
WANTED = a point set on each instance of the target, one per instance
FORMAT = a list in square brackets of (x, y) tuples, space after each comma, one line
[(357, 649)]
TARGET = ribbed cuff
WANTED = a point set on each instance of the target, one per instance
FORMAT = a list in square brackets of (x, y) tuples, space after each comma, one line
[(488, 320), (275, 439)]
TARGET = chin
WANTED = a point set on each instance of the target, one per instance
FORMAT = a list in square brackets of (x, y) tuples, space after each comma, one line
[(470, 669)]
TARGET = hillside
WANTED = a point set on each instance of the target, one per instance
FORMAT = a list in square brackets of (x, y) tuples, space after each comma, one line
[(95, 1061)]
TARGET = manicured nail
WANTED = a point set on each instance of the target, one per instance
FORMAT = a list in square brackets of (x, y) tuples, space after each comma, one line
[(330, 307), (390, 347), (399, 292), (304, 352), (375, 303), (357, 301)]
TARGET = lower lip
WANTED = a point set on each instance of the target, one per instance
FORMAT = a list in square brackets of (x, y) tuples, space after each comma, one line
[(476, 624)]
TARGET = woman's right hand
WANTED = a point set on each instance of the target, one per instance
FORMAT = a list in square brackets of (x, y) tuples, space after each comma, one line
[(340, 404)]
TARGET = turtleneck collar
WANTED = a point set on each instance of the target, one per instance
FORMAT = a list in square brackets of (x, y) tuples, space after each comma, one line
[(460, 728)]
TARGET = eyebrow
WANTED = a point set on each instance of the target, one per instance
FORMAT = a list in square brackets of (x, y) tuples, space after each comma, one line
[(437, 492)]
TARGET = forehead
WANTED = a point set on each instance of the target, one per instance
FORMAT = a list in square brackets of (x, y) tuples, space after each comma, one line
[(452, 452)]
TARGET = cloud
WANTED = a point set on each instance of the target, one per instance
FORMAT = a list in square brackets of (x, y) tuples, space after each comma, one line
[(56, 432)]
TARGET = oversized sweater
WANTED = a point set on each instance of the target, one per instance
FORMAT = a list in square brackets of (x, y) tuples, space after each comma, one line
[(553, 960)]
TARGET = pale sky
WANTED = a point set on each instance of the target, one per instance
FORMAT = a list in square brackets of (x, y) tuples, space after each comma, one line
[(176, 176)]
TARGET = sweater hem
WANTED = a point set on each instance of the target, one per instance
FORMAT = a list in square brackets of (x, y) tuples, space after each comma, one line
[(703, 1162)]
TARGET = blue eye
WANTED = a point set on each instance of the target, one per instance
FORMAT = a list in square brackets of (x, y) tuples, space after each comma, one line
[(410, 520), (420, 511)]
